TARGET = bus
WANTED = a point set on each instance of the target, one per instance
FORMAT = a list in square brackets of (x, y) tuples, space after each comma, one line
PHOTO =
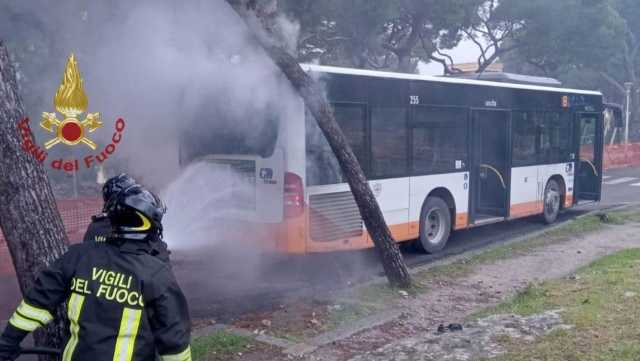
[(440, 154)]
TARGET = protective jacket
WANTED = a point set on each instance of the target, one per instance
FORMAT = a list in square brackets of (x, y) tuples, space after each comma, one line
[(122, 303), (100, 229)]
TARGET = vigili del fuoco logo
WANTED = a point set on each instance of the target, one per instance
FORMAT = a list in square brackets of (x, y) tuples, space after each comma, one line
[(71, 101)]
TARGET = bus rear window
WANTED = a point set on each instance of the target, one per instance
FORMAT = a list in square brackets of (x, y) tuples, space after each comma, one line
[(228, 135)]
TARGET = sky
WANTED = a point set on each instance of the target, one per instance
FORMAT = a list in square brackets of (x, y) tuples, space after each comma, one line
[(466, 52)]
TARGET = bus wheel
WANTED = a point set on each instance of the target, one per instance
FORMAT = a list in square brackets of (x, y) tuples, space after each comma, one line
[(435, 225), (552, 197)]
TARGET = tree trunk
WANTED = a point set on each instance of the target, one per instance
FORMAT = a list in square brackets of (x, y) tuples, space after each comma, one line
[(29, 218), (315, 100)]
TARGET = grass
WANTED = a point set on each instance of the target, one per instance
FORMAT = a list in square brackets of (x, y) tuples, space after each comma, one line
[(563, 233), (624, 216), (530, 301), (602, 302), (377, 293), (348, 313), (219, 344), (363, 301)]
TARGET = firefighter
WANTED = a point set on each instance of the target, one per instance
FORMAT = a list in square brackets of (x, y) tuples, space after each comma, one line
[(100, 227), (122, 303)]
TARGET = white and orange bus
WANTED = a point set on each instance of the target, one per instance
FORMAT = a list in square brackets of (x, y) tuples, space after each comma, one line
[(441, 154)]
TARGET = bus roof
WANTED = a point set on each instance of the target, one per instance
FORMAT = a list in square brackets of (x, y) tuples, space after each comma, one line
[(406, 76)]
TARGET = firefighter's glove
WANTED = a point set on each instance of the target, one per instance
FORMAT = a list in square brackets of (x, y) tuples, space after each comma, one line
[(9, 349)]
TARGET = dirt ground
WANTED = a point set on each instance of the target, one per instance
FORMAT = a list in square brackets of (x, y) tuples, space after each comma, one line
[(454, 300)]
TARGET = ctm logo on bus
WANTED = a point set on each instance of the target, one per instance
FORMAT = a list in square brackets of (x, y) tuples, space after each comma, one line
[(71, 102)]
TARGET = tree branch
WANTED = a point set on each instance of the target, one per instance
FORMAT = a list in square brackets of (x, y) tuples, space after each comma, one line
[(614, 83), (447, 56), (445, 67)]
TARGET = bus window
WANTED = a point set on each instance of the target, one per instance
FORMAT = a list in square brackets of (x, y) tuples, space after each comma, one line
[(439, 140), (587, 136), (541, 138), (589, 170), (388, 142), (322, 166), (556, 138), (352, 121), (524, 139)]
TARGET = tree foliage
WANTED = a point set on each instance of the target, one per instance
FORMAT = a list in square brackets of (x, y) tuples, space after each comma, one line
[(392, 35), (591, 44), (568, 33)]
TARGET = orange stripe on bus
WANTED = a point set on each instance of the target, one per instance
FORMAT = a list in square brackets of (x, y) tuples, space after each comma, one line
[(400, 232), (526, 209), (462, 221), (568, 201), (292, 235)]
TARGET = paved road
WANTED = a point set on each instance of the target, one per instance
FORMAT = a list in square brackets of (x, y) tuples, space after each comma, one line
[(621, 186), (224, 285)]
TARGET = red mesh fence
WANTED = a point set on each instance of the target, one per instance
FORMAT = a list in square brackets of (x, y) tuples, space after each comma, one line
[(76, 215), (621, 155)]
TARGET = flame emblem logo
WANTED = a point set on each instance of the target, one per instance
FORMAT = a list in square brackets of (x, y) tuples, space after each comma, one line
[(71, 101)]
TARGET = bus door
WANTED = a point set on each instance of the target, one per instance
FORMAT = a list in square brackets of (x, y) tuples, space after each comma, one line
[(489, 155), (588, 181)]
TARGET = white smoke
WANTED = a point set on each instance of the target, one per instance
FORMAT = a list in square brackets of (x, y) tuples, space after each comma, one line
[(171, 62), (159, 64), (163, 65)]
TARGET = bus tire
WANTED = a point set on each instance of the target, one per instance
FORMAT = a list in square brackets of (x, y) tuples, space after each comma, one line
[(551, 201), (435, 225)]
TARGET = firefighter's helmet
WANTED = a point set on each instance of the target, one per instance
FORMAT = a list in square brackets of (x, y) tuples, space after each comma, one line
[(136, 214), (116, 184)]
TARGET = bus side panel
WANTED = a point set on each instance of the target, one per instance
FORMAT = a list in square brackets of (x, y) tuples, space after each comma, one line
[(564, 170), (393, 198), (528, 184), (525, 192), (421, 186)]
